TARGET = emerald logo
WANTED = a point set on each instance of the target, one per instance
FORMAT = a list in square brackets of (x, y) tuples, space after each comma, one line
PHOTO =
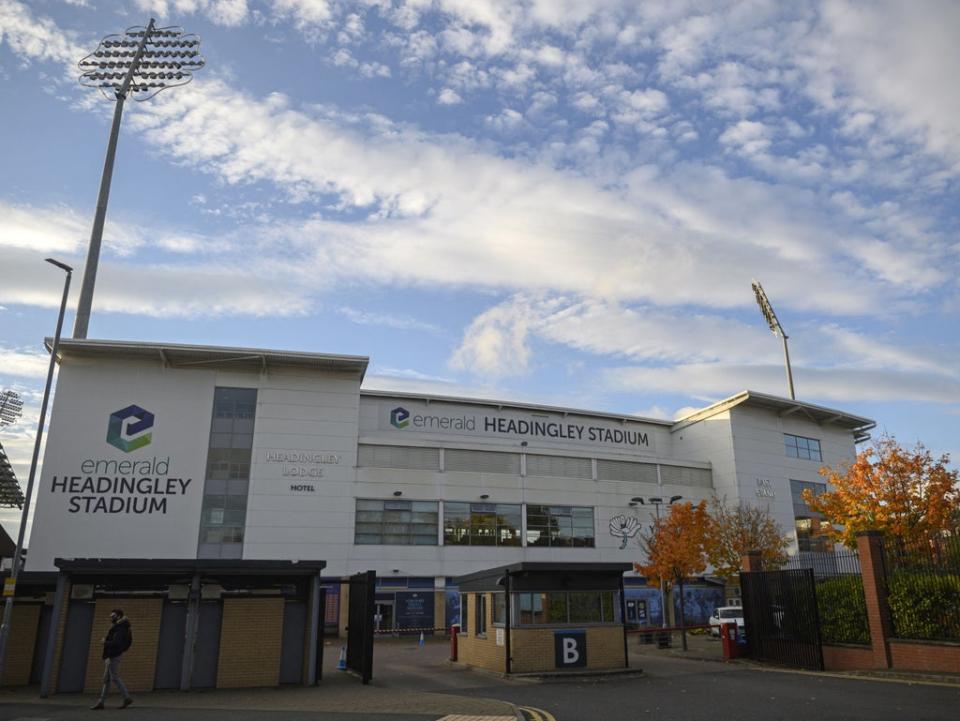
[(126, 435), (399, 418)]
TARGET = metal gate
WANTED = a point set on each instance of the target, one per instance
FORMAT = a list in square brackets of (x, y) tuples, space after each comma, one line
[(360, 624), (781, 617)]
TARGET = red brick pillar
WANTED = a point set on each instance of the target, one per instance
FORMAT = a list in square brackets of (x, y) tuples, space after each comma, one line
[(870, 548), (751, 561)]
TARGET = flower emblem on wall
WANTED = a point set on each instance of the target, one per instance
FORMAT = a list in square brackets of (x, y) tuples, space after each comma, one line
[(624, 528)]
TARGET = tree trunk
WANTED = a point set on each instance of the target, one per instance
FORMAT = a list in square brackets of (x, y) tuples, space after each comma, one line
[(683, 619)]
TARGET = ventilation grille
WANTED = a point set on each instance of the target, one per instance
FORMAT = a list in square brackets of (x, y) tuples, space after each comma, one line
[(482, 461), (627, 471), (424, 459), (562, 466), (679, 476)]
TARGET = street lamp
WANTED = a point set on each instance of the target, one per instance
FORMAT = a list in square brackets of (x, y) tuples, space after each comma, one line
[(767, 309), (142, 62), (656, 502), (10, 585)]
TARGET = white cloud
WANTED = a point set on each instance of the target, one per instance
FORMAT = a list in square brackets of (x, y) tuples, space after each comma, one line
[(388, 320), (23, 363), (448, 96)]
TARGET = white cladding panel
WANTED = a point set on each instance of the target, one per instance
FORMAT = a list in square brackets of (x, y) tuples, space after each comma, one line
[(83, 510)]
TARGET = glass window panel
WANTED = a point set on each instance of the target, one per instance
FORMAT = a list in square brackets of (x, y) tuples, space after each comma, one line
[(555, 607), (367, 539), (585, 607), (464, 614), (367, 505), (425, 506), (499, 608), (607, 606), (538, 537)]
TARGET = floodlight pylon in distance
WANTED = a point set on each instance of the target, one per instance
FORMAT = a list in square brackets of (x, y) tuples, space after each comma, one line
[(138, 63), (769, 315)]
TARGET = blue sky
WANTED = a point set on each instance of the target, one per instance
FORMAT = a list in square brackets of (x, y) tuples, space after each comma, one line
[(556, 201)]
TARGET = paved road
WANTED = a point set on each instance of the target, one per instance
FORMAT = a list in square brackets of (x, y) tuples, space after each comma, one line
[(684, 690), (412, 684)]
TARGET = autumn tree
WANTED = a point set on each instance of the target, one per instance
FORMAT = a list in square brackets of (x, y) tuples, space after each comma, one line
[(905, 493), (675, 548), (735, 530)]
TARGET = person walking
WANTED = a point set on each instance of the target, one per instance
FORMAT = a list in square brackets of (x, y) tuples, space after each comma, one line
[(118, 640)]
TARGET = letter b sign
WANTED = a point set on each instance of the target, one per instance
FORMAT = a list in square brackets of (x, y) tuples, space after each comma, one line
[(570, 649)]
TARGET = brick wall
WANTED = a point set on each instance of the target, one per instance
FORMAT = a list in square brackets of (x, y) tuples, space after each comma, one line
[(918, 656), (848, 658), (478, 651), (532, 649), (138, 666), (251, 635), (20, 646)]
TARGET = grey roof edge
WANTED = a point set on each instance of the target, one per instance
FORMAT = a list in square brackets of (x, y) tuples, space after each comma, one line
[(137, 566), (855, 423), (203, 352), (429, 398)]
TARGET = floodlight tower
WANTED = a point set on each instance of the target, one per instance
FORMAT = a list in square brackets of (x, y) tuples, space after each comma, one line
[(11, 408), (776, 328), (140, 62)]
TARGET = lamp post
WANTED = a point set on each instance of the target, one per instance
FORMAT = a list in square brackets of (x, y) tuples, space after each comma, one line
[(767, 309), (11, 583), (142, 62), (656, 502)]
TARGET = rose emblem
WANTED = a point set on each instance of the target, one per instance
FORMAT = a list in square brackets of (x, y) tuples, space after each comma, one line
[(624, 528)]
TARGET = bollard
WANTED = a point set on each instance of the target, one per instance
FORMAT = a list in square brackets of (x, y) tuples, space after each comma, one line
[(342, 663), (420, 642), (453, 642)]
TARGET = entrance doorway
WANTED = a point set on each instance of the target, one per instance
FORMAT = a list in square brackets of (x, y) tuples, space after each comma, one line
[(383, 615)]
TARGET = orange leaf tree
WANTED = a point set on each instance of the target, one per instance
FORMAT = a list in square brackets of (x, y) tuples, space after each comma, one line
[(675, 548), (905, 493), (736, 530)]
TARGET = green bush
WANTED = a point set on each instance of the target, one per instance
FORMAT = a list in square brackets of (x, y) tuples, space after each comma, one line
[(925, 605), (843, 611)]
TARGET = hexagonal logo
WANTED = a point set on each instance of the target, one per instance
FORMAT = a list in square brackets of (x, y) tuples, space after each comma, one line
[(400, 418), (126, 435)]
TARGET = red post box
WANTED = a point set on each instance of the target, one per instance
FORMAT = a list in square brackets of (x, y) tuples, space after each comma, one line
[(729, 639)]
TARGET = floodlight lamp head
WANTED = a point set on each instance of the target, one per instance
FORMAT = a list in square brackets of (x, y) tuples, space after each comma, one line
[(11, 408), (767, 309), (141, 62)]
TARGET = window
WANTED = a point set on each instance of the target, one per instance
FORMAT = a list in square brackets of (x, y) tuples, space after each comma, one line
[(396, 523), (800, 447), (499, 609), (464, 613), (810, 526), (562, 607), (223, 513), (570, 526), (481, 618), (481, 524)]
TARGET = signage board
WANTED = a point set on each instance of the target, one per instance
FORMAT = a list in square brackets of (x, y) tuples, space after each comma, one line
[(570, 648)]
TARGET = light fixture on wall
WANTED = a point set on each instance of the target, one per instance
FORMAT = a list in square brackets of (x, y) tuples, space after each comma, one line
[(398, 493), (484, 496)]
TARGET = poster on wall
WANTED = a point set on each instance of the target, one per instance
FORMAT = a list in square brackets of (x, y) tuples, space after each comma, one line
[(414, 610)]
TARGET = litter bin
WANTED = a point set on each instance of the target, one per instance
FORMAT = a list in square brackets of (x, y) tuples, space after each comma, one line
[(733, 647), (663, 639)]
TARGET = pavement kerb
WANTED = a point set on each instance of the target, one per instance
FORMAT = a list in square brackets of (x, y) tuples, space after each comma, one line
[(853, 675)]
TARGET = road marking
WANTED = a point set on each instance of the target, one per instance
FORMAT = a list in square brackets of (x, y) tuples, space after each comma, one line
[(537, 714)]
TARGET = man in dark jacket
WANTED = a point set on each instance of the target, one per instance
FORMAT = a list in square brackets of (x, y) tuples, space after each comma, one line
[(118, 640)]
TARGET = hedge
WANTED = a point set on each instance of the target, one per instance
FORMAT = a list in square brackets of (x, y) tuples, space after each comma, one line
[(925, 605), (843, 611)]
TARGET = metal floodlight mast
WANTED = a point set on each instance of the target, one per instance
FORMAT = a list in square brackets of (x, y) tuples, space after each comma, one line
[(138, 63), (11, 408), (771, 317)]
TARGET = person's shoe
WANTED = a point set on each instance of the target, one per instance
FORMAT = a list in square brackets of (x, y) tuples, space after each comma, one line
[(97, 706), (126, 702)]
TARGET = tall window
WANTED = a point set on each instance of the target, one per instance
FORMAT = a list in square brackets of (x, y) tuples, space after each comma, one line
[(481, 524), (560, 526), (800, 447), (224, 510), (480, 625), (810, 526), (396, 523)]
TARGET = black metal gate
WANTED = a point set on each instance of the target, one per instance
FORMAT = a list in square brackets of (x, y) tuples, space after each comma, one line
[(781, 617), (360, 625)]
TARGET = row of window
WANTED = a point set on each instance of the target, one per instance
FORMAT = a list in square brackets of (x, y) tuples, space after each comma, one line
[(417, 523), (541, 609), (810, 527), (800, 447), (530, 464)]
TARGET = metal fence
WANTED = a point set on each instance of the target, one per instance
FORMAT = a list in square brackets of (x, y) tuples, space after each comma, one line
[(841, 603), (923, 588)]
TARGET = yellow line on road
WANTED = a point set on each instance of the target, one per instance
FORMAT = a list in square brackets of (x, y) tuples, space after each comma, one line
[(538, 714)]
